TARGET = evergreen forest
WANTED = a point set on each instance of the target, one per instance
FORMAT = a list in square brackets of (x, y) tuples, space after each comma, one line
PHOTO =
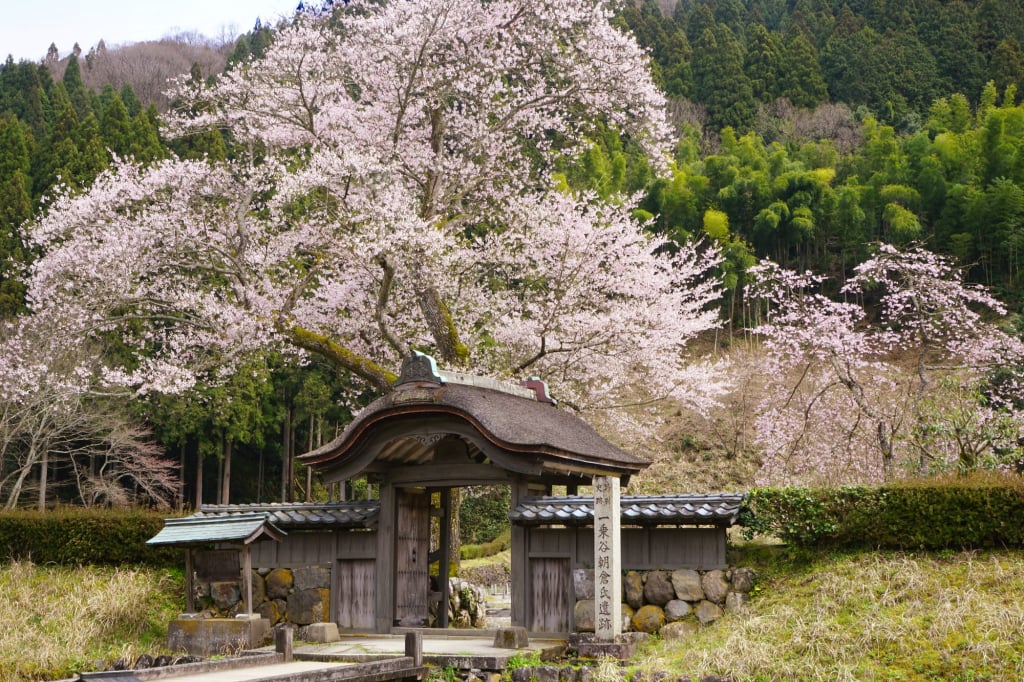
[(809, 130)]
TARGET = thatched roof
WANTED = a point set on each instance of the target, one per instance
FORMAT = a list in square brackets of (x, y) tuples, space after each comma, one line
[(506, 424)]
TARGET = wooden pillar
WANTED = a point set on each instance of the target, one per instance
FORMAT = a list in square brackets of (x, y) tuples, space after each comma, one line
[(247, 578), (520, 562), (190, 586), (445, 562), (607, 559), (386, 527)]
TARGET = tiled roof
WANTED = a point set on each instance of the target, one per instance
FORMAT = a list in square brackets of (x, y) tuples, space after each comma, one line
[(672, 510), (193, 530), (301, 515)]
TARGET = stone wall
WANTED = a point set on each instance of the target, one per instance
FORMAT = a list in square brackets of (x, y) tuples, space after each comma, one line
[(300, 595), (669, 602)]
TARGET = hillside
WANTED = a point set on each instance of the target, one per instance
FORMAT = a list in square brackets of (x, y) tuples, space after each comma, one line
[(870, 616)]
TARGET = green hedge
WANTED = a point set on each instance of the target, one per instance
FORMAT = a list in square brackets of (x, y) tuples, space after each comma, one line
[(74, 536), (957, 513)]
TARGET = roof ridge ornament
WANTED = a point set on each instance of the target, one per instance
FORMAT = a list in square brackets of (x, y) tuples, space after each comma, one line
[(540, 389), (419, 367)]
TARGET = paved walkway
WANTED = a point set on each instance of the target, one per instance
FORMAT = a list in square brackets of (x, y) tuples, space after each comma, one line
[(260, 673)]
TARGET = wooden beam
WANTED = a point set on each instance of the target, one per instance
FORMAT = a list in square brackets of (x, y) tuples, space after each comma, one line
[(385, 594), (466, 473), (444, 565), (520, 563), (190, 582), (247, 577)]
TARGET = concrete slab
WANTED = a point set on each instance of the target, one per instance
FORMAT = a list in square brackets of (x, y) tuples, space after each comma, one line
[(272, 671), (459, 652)]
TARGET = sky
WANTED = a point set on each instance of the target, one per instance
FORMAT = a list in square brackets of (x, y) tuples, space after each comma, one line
[(27, 28)]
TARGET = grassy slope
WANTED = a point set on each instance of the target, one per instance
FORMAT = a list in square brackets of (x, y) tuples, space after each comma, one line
[(865, 616), (61, 620), (828, 616)]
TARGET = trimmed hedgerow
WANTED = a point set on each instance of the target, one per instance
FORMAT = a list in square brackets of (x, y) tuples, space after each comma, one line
[(953, 513), (71, 536)]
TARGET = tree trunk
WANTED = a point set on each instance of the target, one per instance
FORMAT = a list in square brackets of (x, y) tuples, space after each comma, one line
[(199, 479), (44, 470), (287, 454), (225, 482), (181, 478)]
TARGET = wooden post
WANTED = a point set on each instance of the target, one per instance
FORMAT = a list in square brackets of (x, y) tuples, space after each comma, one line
[(607, 559), (520, 561), (247, 568), (414, 647), (385, 592), (190, 587), (444, 563), (284, 641)]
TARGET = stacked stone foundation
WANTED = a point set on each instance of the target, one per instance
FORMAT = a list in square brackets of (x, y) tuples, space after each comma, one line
[(669, 602), (300, 595)]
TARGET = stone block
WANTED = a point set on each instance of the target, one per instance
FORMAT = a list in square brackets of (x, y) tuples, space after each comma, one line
[(709, 612), (648, 619), (743, 580), (279, 583), (583, 615), (514, 637), (676, 609), (319, 632), (308, 606), (224, 594), (658, 589), (678, 630), (311, 577), (633, 589), (715, 586), (259, 589), (217, 636), (583, 583), (687, 585), (273, 610), (735, 601)]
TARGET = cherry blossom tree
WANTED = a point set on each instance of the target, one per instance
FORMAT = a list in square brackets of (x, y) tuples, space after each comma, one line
[(391, 191), (854, 399), (51, 416)]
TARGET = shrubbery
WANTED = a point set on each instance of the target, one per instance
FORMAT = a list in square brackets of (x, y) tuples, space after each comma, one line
[(84, 536), (957, 513), (486, 549)]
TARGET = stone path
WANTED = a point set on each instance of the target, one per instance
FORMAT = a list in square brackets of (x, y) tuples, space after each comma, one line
[(273, 671)]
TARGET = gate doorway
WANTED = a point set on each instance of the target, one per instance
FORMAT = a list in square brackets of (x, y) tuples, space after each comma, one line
[(412, 561)]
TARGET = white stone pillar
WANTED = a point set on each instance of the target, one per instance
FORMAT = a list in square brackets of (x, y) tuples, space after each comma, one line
[(607, 559)]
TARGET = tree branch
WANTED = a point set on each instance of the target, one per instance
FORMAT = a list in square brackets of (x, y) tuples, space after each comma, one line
[(340, 356), (382, 303)]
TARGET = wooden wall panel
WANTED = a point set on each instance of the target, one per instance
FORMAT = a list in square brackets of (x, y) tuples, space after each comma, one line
[(642, 548), (354, 593), (552, 598)]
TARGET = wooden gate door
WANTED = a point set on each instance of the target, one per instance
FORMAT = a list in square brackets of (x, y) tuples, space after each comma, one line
[(412, 547), (551, 600), (354, 602)]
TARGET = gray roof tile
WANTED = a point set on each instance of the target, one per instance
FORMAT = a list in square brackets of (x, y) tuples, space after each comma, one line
[(194, 530), (722, 509), (302, 515)]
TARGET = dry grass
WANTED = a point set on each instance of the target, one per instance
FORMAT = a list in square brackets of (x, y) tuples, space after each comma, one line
[(61, 620), (875, 616)]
